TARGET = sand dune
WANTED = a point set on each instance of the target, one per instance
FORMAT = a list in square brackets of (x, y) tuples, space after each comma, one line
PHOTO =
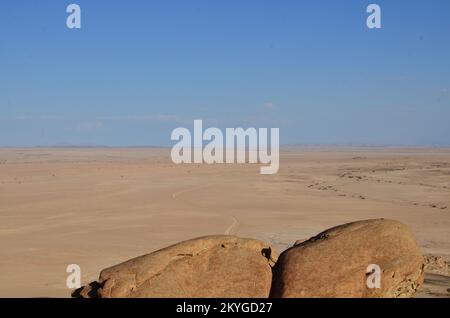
[(97, 207)]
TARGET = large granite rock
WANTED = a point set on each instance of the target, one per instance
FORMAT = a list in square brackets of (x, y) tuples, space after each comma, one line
[(335, 263), (212, 266)]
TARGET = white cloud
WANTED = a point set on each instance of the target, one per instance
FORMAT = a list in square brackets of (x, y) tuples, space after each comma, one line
[(271, 106), (34, 118), (149, 118)]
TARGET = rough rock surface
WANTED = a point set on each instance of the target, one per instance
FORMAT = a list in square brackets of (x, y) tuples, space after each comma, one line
[(436, 265), (212, 266), (335, 262)]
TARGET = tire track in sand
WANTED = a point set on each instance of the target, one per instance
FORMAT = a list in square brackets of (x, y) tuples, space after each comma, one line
[(231, 229), (176, 194)]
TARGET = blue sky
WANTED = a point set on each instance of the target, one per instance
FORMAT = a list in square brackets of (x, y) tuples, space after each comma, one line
[(138, 69)]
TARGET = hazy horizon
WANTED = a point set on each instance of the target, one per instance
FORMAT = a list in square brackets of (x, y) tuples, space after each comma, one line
[(282, 146)]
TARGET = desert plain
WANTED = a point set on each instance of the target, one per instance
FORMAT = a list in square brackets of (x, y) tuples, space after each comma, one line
[(97, 207)]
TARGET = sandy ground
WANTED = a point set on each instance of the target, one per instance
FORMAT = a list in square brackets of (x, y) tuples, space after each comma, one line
[(98, 207)]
